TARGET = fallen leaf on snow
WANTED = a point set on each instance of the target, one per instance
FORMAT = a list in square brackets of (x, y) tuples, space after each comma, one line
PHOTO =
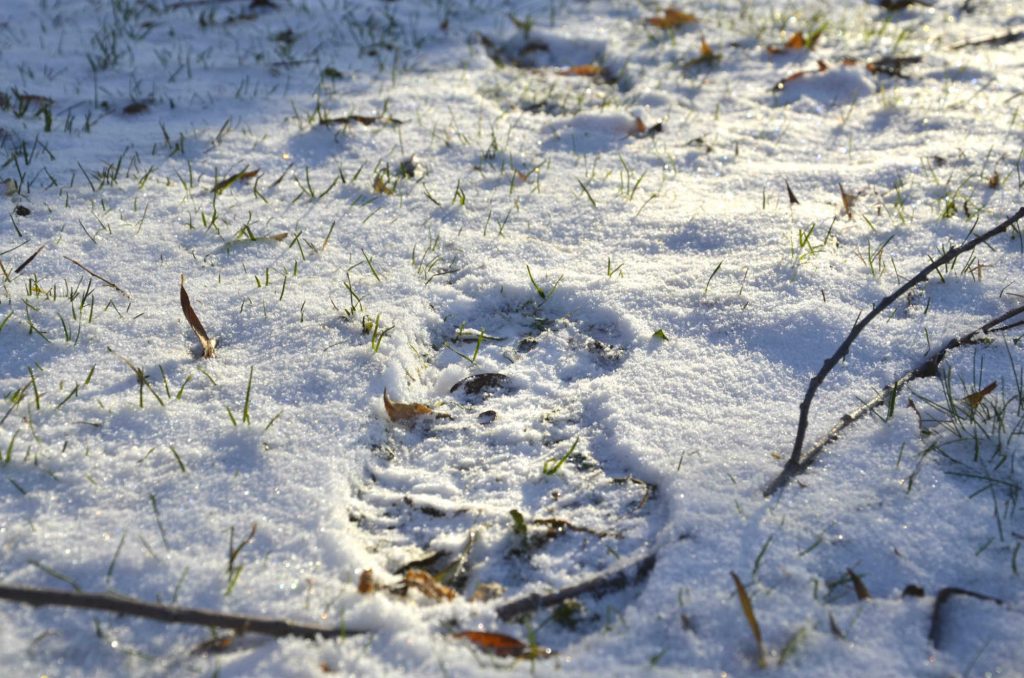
[(641, 130), (706, 57), (487, 591), (207, 343), (224, 184), (974, 399), (582, 69), (795, 42), (501, 645), (858, 585), (366, 583), (424, 582), (781, 84), (848, 200), (672, 18), (403, 411)]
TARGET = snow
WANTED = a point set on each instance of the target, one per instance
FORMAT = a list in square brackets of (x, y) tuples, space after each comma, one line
[(619, 246)]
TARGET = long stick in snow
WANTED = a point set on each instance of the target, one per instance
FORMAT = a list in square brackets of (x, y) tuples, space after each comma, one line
[(606, 582), (929, 367), (793, 465), (167, 613)]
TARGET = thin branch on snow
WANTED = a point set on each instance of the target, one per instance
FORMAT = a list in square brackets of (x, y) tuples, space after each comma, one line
[(794, 464), (167, 613), (935, 629), (929, 367), (606, 582)]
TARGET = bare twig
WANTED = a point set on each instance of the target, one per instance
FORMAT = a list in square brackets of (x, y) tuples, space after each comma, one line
[(997, 41), (606, 582), (929, 367), (944, 595), (98, 276), (167, 613), (844, 348)]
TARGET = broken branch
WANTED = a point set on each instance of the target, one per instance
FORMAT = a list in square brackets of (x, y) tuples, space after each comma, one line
[(98, 276), (793, 464), (929, 367), (606, 582), (167, 613)]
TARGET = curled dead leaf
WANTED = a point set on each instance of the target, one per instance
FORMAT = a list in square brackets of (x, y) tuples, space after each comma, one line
[(974, 399), (848, 200), (381, 186), (366, 583), (403, 411), (424, 582), (781, 84), (207, 343), (795, 42)]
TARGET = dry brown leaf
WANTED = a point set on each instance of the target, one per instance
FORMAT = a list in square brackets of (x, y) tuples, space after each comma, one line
[(848, 200), (424, 582), (207, 343), (705, 50), (487, 591), (366, 583), (641, 129), (582, 69), (135, 107), (501, 645), (224, 184), (748, 612), (781, 84), (404, 411), (381, 186), (974, 399), (797, 41), (672, 18), (215, 645), (858, 585)]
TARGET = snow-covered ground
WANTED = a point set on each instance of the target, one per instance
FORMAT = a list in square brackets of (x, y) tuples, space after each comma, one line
[(606, 245)]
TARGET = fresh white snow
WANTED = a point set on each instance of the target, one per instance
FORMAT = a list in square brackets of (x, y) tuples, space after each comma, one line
[(560, 193)]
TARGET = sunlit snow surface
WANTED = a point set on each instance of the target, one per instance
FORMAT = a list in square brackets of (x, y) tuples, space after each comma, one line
[(559, 193)]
